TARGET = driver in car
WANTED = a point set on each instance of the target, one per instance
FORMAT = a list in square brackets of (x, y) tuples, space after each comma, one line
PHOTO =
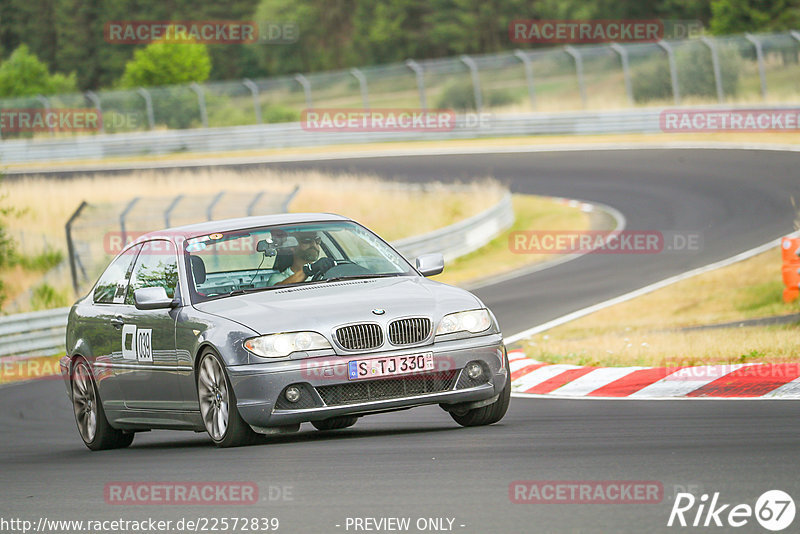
[(306, 262)]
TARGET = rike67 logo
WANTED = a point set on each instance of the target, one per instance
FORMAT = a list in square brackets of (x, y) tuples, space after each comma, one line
[(774, 510)]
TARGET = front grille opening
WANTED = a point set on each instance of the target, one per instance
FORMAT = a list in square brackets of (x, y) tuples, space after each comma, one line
[(307, 399), (464, 381), (388, 388), (409, 331), (360, 336)]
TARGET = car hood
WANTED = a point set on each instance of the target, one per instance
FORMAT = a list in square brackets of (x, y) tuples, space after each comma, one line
[(322, 307)]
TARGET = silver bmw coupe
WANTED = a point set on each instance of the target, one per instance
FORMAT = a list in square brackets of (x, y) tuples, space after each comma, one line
[(252, 326)]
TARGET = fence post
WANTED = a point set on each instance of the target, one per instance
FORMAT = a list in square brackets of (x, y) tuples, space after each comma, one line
[(253, 203), (94, 99), (288, 199), (71, 246), (476, 81), (213, 203), (715, 65), (122, 217), (673, 70), (169, 209), (575, 53), (148, 105), (201, 102), (362, 83), (526, 63), (247, 82), (46, 103), (760, 57), (302, 80), (626, 69), (414, 66)]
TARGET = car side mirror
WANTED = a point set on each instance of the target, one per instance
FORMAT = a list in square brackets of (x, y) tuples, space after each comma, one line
[(152, 298), (430, 264)]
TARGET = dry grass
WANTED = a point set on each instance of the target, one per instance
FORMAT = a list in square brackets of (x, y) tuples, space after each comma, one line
[(532, 213), (46, 204), (644, 331), (668, 349), (17, 280), (393, 210)]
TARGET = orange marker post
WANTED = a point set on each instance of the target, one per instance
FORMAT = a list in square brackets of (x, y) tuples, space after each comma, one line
[(790, 251)]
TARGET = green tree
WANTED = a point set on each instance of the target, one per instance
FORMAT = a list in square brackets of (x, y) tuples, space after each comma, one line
[(167, 63), (22, 74), (739, 16)]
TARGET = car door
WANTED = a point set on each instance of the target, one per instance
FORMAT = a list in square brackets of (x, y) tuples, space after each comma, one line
[(150, 380), (100, 326)]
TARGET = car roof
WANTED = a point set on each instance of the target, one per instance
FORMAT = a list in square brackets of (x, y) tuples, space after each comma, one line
[(228, 225)]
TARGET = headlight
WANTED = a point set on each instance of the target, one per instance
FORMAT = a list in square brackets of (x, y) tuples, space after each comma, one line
[(280, 345), (472, 321)]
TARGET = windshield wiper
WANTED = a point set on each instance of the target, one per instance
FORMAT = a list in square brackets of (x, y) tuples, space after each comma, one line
[(248, 290), (360, 276), (257, 289)]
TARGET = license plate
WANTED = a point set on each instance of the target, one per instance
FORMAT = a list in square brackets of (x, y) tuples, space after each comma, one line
[(390, 366)]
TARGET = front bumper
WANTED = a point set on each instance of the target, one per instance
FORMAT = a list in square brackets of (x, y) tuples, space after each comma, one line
[(327, 392)]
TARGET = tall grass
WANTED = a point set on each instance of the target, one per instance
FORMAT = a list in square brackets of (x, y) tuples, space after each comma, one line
[(44, 204), (393, 210)]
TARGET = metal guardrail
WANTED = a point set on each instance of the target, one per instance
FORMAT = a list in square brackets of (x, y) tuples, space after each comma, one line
[(28, 335), (33, 334), (463, 237), (285, 135)]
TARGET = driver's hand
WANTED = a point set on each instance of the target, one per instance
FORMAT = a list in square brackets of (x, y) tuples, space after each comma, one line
[(318, 267)]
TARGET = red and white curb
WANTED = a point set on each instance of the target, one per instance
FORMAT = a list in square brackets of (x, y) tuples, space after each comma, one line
[(766, 381)]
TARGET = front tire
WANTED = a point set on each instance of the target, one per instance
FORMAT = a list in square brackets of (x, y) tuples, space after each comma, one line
[(224, 425), (489, 414), (93, 426), (335, 423)]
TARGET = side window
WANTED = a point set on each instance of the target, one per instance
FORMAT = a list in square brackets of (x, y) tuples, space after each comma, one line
[(110, 288), (156, 266)]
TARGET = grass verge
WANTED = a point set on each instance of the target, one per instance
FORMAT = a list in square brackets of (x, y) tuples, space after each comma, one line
[(649, 331)]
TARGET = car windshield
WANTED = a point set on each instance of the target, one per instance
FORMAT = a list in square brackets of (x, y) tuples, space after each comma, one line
[(240, 261)]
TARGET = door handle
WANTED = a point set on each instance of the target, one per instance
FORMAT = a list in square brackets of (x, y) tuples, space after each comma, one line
[(117, 322)]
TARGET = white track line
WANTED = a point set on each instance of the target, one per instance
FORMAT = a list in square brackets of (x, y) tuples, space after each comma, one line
[(646, 289)]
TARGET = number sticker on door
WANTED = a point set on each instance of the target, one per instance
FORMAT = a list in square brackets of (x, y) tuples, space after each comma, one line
[(137, 343)]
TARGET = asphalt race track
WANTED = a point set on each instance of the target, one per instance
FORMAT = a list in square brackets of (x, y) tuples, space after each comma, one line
[(419, 463)]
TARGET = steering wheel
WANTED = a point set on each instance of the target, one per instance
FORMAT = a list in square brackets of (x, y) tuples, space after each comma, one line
[(321, 276), (336, 265)]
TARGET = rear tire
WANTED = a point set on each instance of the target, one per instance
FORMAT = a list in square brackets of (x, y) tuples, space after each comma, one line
[(335, 423), (224, 425), (93, 426), (491, 413)]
